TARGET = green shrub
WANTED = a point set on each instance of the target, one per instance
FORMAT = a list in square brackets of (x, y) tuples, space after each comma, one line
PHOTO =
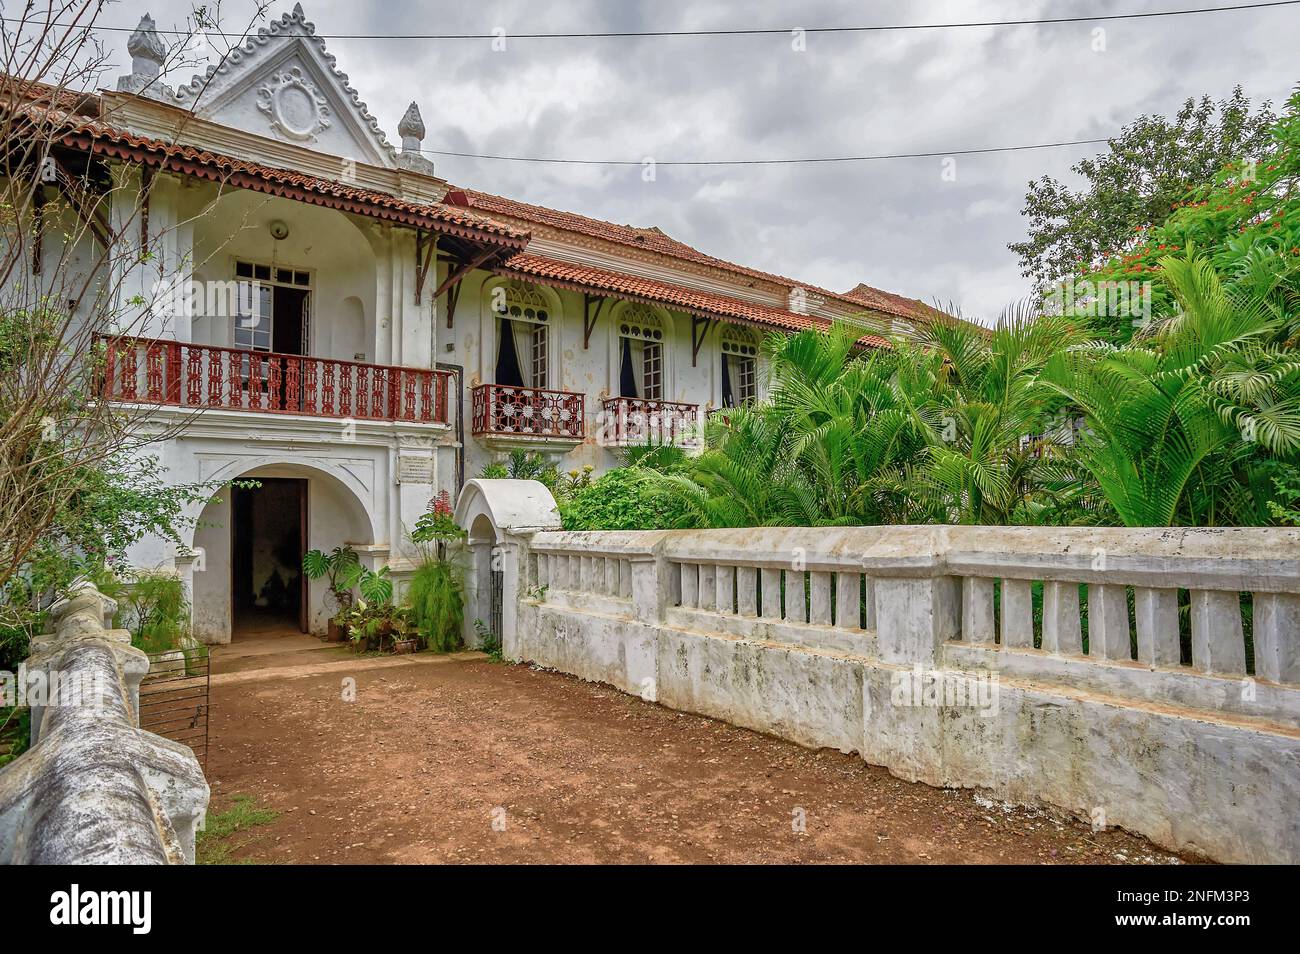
[(153, 605), (489, 642), (627, 498), (435, 593), (15, 732), (530, 465), (437, 605)]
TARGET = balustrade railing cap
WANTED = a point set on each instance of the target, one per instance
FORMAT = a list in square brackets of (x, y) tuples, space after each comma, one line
[(613, 543), (1259, 559), (1265, 559)]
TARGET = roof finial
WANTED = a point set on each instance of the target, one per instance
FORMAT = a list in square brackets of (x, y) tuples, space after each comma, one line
[(146, 49), (148, 53), (411, 129)]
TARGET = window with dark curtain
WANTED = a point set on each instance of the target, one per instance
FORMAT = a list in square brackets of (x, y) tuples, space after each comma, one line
[(626, 375), (508, 371), (728, 397)]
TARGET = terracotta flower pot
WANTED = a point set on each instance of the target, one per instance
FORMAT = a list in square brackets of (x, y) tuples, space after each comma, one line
[(402, 646)]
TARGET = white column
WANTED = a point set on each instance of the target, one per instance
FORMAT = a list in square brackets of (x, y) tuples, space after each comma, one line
[(1061, 632), (977, 610), (1108, 631), (1017, 613)]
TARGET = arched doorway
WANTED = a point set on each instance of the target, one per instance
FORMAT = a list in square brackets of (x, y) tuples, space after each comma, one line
[(249, 580)]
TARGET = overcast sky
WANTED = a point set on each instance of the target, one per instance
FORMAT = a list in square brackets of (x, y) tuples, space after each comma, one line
[(898, 224)]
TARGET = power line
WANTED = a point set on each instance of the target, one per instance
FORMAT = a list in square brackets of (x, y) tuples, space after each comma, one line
[(758, 31), (770, 162)]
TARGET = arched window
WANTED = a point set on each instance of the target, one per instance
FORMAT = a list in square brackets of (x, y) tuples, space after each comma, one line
[(524, 316), (640, 353), (739, 348)]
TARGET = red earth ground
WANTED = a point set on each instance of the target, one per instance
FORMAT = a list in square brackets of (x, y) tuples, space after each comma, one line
[(459, 759)]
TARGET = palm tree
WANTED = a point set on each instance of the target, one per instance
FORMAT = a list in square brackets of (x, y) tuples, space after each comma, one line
[(851, 422), (1182, 421), (996, 438)]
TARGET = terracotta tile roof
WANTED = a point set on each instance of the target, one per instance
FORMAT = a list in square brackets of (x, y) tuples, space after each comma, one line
[(634, 288), (880, 300), (94, 135), (461, 213), (657, 241)]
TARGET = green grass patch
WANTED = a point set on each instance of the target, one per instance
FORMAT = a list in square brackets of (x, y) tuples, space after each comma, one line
[(217, 843), (15, 732)]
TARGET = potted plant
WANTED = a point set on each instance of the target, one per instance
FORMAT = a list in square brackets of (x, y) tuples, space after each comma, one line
[(342, 570), (374, 622), (378, 626)]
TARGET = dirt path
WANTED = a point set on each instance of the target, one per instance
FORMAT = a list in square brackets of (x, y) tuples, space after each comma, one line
[(464, 760)]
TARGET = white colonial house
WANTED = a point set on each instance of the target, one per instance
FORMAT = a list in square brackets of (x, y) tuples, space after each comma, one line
[(391, 333)]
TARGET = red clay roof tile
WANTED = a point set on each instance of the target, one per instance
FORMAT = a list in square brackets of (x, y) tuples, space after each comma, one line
[(569, 274), (655, 240), (90, 133)]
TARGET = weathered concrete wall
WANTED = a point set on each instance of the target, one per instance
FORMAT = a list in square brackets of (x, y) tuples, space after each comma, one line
[(764, 629), (94, 788)]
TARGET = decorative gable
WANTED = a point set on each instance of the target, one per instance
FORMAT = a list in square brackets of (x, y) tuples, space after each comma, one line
[(284, 84)]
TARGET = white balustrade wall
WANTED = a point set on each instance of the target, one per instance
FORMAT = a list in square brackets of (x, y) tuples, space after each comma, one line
[(1151, 674)]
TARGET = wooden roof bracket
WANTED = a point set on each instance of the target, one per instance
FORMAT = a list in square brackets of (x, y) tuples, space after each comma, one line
[(590, 316), (38, 226), (93, 218), (463, 268), (426, 245), (146, 190), (453, 298), (700, 328)]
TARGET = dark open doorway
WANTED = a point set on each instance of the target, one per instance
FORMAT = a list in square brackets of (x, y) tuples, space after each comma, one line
[(289, 327), (268, 539), (289, 336)]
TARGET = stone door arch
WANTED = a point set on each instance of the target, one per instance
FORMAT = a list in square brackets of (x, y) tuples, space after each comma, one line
[(493, 513)]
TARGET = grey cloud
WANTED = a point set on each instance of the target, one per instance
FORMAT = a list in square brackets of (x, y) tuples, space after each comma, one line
[(891, 224)]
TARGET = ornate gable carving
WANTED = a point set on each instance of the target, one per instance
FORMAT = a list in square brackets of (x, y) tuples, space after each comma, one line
[(284, 84), (297, 109)]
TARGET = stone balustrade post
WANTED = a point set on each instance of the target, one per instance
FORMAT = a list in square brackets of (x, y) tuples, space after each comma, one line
[(915, 617), (918, 604), (651, 585), (94, 787)]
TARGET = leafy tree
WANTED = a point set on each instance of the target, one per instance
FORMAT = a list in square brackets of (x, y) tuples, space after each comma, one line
[(1151, 167), (949, 426), (77, 481), (104, 511), (1245, 219), (996, 438)]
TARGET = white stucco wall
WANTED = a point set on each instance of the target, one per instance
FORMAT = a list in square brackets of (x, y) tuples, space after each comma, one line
[(326, 243), (353, 494), (592, 371)]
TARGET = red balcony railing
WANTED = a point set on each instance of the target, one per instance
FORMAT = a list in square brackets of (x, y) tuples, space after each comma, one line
[(630, 421), (501, 410), (181, 374)]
